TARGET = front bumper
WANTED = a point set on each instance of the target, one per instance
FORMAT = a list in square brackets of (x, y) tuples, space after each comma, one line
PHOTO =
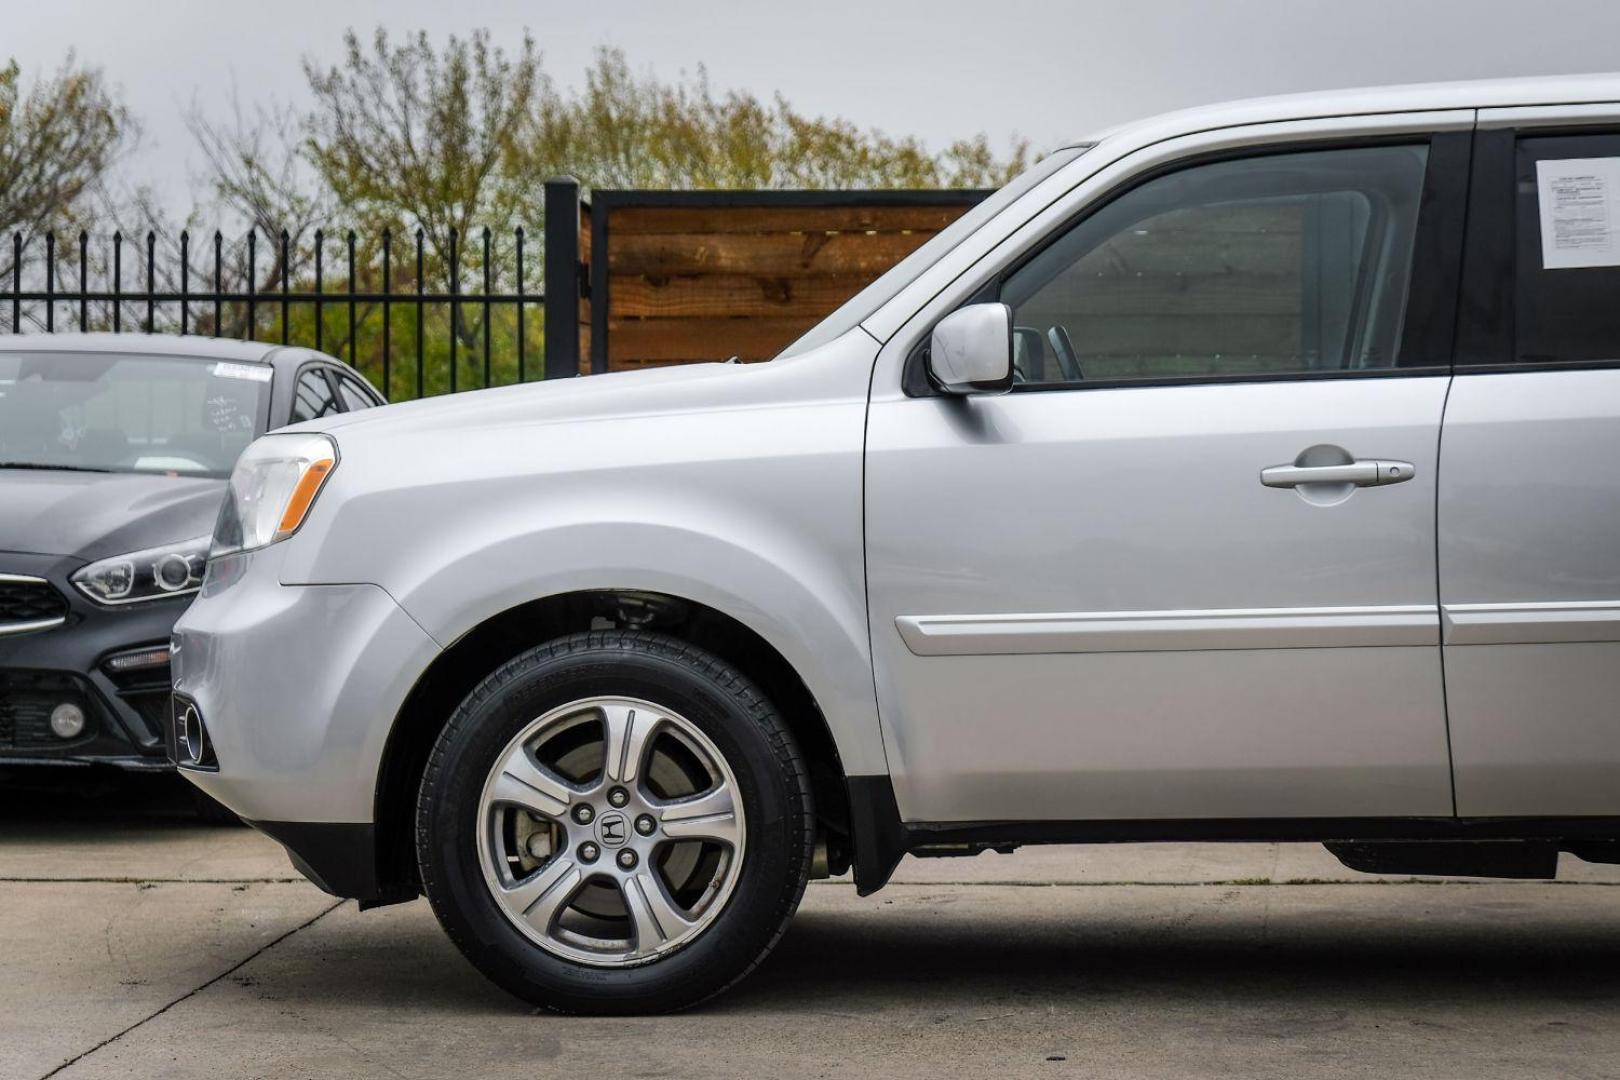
[(297, 687), (125, 711)]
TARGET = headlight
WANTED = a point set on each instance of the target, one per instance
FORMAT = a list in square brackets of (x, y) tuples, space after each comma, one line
[(170, 570), (273, 486)]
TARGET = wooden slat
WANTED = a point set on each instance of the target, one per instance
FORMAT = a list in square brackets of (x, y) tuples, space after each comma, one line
[(1190, 335), (641, 340), (768, 255), (1170, 250), (626, 221), (1220, 295), (723, 295)]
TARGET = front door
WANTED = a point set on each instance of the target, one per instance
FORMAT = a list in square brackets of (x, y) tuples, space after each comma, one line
[(1186, 569)]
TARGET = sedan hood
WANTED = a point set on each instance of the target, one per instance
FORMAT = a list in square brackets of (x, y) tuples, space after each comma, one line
[(93, 515)]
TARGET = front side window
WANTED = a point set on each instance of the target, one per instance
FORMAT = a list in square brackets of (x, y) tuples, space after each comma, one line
[(116, 412), (1289, 263)]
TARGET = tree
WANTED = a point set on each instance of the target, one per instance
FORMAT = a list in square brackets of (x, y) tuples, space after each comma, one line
[(405, 135), (59, 140), (257, 173), (626, 130)]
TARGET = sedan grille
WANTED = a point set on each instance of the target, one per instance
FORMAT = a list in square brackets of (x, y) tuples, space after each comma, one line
[(29, 603)]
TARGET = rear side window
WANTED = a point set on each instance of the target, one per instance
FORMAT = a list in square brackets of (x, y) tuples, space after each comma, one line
[(1283, 264), (1567, 249), (354, 397), (313, 397)]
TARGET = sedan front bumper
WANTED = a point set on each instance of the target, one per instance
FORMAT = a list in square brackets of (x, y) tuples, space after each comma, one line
[(125, 710)]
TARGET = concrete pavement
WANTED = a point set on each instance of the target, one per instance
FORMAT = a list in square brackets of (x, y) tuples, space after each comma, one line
[(163, 948)]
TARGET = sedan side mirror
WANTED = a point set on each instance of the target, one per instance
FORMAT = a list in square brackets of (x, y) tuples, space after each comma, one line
[(971, 350)]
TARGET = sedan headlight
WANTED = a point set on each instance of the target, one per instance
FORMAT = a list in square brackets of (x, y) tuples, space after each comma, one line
[(273, 486), (153, 574)]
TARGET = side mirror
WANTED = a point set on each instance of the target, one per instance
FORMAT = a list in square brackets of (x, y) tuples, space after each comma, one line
[(971, 350)]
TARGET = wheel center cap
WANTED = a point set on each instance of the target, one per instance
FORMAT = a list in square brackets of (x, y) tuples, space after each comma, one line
[(612, 829)]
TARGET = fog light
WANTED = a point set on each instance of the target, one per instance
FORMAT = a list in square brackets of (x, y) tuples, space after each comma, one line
[(67, 720)]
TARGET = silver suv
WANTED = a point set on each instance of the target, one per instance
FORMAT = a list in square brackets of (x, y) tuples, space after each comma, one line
[(1245, 474)]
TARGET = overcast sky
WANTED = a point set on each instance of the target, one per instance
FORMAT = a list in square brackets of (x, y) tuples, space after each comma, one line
[(940, 69)]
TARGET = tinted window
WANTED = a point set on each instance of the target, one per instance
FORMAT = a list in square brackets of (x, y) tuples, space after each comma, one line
[(313, 398), (128, 413), (354, 396), (1567, 312), (1283, 264)]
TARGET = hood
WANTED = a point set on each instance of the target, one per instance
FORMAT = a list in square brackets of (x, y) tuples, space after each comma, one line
[(93, 515), (678, 387), (451, 426)]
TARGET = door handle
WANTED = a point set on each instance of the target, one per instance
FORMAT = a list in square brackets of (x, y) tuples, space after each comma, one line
[(1363, 473)]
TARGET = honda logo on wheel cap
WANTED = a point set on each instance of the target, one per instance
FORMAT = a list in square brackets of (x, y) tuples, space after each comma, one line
[(612, 830)]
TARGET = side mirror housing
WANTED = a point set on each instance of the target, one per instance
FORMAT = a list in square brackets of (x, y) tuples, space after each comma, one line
[(971, 350)]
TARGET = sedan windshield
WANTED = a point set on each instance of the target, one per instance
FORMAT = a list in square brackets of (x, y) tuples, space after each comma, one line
[(113, 412)]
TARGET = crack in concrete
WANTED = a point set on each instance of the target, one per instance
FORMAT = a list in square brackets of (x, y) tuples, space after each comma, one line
[(194, 991)]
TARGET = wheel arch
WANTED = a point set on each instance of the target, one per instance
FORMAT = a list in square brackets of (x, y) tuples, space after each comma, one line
[(456, 670)]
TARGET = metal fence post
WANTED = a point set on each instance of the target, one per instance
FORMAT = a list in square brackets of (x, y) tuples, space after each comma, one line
[(562, 277)]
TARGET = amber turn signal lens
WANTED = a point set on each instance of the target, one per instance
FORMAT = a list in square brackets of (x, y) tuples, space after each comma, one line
[(309, 485)]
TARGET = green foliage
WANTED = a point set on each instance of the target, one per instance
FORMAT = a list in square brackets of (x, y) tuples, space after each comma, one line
[(629, 131), (407, 135), (58, 141)]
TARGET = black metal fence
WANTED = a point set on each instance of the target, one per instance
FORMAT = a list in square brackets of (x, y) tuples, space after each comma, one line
[(441, 319), (703, 275)]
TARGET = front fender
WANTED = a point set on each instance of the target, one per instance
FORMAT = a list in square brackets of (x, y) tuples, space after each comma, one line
[(769, 580), (739, 489)]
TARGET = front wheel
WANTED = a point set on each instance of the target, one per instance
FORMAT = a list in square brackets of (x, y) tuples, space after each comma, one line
[(615, 822)]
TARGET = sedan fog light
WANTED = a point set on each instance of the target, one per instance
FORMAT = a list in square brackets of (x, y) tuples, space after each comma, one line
[(67, 720)]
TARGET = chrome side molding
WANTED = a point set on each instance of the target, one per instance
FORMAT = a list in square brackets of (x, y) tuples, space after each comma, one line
[(1169, 631)]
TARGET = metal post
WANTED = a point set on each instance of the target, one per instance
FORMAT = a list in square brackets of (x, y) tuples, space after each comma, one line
[(522, 360), (185, 269), (486, 307), (562, 277), (455, 306), (219, 283), (118, 282), (388, 289), (50, 283), (320, 310), (84, 281), (252, 286)]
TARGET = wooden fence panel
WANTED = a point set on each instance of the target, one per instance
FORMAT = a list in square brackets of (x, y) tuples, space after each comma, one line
[(693, 276)]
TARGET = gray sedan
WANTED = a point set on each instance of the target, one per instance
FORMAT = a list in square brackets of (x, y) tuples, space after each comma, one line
[(114, 454)]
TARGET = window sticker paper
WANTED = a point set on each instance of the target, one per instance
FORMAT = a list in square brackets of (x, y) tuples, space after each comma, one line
[(251, 372), (1578, 226)]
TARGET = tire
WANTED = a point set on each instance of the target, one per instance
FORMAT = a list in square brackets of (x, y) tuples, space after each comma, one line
[(721, 731)]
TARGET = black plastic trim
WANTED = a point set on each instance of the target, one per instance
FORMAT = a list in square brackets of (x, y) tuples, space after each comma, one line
[(339, 858), (1306, 830), (881, 839), (1486, 306), (876, 833)]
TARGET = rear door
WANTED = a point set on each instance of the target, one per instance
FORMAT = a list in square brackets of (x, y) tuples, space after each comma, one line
[(1529, 499)]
